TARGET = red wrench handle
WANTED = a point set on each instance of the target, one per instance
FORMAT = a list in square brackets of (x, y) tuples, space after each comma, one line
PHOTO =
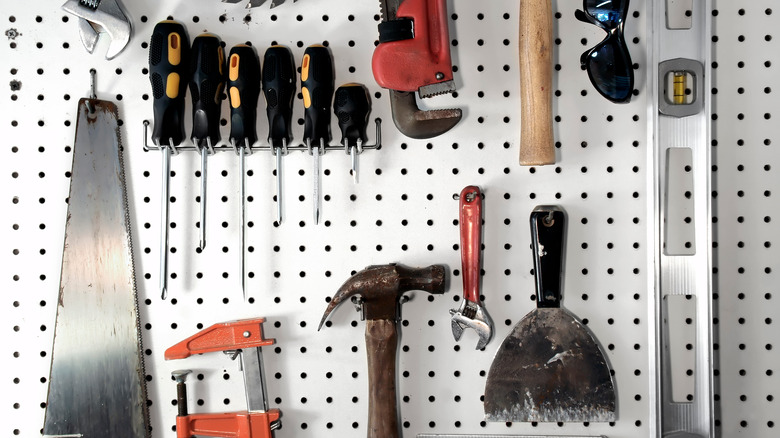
[(470, 240), (407, 65)]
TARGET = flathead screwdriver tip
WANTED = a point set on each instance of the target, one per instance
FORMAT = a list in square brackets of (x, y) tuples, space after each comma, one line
[(354, 170)]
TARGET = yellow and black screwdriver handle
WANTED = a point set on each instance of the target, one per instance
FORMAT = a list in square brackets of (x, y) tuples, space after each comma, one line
[(169, 53), (279, 89), (207, 82), (352, 107), (317, 84), (243, 91)]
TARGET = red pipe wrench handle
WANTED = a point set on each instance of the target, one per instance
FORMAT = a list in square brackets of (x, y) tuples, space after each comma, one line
[(407, 65), (470, 240)]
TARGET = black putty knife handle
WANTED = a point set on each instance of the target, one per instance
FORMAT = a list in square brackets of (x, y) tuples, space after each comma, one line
[(548, 235)]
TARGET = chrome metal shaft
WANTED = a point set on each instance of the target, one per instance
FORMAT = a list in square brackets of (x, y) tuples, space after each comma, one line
[(166, 165), (203, 156), (278, 153), (242, 219), (316, 178)]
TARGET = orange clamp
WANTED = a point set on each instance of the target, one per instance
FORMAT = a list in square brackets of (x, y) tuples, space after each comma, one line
[(234, 335)]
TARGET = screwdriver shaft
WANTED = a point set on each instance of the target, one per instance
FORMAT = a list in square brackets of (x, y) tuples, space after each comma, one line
[(242, 215), (354, 170), (278, 154), (316, 177), (166, 163), (203, 170)]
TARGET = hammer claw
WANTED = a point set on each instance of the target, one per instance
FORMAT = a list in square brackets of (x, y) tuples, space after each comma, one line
[(381, 287)]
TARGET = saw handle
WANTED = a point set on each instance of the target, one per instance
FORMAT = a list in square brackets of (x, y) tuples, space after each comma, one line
[(381, 346), (536, 45), (548, 235), (470, 240), (244, 91), (411, 63), (169, 52)]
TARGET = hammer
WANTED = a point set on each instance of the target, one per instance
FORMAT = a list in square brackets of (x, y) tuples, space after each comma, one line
[(380, 288)]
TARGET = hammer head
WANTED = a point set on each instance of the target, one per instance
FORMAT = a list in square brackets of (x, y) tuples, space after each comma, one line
[(381, 286)]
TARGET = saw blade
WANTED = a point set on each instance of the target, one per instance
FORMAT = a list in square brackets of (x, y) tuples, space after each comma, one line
[(97, 381)]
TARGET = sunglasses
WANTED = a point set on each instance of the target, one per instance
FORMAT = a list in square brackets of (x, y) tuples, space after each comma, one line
[(608, 63)]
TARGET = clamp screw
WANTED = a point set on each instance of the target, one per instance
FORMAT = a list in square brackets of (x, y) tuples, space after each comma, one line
[(180, 375)]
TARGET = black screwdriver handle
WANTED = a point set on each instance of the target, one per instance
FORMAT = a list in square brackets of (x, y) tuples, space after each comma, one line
[(317, 84), (352, 107), (243, 91), (279, 89), (169, 52), (206, 85)]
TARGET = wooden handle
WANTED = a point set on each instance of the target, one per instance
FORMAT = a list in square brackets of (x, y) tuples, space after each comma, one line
[(536, 44), (381, 346)]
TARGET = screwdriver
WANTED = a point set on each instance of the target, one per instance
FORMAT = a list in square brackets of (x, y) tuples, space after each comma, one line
[(206, 86), (317, 85), (168, 56), (352, 107), (279, 90), (243, 91)]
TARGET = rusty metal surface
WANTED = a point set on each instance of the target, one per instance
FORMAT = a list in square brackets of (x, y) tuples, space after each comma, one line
[(381, 286), (417, 123), (97, 383), (550, 368)]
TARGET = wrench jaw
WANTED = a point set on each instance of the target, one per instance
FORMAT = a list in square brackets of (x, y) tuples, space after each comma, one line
[(472, 315), (416, 123), (108, 18)]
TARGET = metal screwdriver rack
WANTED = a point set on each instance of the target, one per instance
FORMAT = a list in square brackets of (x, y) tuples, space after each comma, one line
[(402, 210)]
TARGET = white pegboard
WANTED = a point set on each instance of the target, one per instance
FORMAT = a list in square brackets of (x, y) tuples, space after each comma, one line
[(745, 160), (401, 211)]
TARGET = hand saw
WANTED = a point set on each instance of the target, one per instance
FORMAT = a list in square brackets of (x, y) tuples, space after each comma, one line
[(97, 385)]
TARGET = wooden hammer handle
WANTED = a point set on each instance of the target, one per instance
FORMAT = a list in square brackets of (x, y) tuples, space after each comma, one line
[(536, 44), (381, 346)]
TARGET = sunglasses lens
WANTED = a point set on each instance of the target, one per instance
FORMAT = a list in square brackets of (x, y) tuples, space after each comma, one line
[(608, 12), (609, 67)]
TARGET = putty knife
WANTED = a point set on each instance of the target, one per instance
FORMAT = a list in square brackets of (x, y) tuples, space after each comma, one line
[(549, 368)]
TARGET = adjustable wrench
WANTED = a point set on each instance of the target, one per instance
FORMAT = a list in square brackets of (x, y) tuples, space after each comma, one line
[(413, 55), (98, 17), (471, 314)]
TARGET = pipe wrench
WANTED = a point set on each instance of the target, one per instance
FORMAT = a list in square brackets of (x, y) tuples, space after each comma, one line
[(471, 314), (413, 56)]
